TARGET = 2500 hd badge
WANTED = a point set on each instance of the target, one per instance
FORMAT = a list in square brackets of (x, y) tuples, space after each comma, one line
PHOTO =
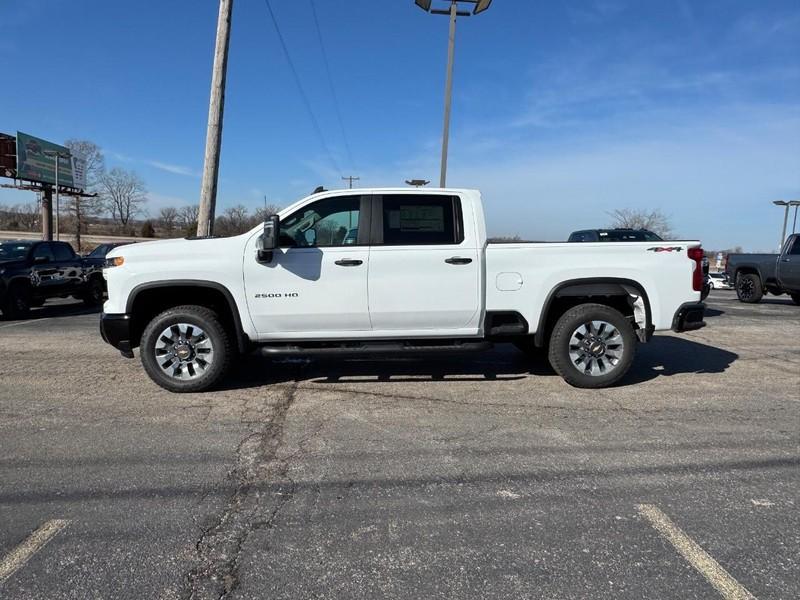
[(279, 295)]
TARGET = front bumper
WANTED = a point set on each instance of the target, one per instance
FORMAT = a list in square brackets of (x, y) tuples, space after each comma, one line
[(689, 317), (115, 329)]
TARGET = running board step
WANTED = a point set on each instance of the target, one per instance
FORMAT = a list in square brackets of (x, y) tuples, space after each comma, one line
[(372, 348)]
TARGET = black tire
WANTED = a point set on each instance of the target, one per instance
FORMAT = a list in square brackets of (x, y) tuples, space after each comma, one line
[(95, 294), (17, 303), (608, 372), (795, 298), (199, 317), (749, 289)]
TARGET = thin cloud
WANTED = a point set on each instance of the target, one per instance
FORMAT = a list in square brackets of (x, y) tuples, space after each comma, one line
[(174, 169)]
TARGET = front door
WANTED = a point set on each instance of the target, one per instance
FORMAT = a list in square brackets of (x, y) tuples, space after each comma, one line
[(47, 280), (424, 276), (789, 267), (316, 284)]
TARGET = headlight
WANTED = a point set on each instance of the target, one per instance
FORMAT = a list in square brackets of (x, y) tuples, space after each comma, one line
[(117, 261)]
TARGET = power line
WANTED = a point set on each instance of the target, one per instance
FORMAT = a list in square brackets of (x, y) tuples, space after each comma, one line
[(330, 83), (351, 179), (302, 91)]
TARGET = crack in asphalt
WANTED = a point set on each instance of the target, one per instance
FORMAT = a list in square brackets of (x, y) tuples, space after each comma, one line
[(262, 488)]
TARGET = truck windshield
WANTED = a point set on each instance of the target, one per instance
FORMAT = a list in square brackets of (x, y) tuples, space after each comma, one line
[(13, 250)]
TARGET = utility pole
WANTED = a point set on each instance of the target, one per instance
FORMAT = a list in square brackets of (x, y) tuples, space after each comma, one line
[(351, 179), (208, 189)]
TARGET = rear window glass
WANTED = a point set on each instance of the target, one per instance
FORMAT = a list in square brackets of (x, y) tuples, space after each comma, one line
[(421, 220)]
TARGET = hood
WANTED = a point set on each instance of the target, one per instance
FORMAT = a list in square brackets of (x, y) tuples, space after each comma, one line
[(176, 246), (11, 262)]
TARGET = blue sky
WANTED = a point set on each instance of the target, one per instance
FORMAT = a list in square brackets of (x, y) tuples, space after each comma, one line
[(562, 110)]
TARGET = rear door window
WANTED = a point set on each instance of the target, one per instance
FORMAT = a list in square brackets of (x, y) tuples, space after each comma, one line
[(416, 220)]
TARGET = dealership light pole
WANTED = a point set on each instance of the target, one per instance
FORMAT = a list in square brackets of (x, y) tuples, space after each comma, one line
[(56, 158), (208, 188), (453, 12), (786, 204)]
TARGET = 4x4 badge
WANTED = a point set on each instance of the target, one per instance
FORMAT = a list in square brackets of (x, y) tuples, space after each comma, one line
[(665, 249)]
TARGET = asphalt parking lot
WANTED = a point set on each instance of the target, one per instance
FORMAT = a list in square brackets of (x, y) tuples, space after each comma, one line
[(483, 476)]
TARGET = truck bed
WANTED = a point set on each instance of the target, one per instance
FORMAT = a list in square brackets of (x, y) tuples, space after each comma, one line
[(526, 274)]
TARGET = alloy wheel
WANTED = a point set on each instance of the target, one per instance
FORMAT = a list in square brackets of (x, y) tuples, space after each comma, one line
[(184, 351), (596, 347)]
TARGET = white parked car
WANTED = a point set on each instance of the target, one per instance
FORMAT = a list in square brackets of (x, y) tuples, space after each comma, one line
[(418, 277), (719, 281)]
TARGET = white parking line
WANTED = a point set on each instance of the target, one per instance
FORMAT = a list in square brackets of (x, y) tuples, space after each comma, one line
[(727, 586), (11, 563)]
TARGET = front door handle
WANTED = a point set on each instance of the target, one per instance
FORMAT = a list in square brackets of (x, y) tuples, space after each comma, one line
[(457, 260), (349, 262)]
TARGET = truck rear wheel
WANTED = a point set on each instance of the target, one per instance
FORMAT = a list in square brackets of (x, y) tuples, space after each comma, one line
[(592, 346), (186, 349), (749, 288), (796, 299)]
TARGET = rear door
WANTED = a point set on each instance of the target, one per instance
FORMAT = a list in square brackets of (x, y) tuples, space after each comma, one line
[(423, 275), (789, 266)]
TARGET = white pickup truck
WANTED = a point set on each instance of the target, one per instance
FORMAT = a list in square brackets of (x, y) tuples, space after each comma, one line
[(392, 271)]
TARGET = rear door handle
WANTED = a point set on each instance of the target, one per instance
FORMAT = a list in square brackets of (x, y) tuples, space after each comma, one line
[(457, 260), (349, 262)]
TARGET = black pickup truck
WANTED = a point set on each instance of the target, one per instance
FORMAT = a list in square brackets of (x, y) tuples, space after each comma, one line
[(755, 274), (32, 272)]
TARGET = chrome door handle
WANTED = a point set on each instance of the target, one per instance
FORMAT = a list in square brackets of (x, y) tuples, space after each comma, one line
[(457, 260), (349, 262)]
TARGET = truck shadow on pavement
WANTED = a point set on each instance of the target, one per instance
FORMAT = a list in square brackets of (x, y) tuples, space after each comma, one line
[(663, 356)]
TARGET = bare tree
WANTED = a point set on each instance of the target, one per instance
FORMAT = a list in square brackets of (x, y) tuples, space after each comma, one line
[(233, 221), (168, 218), (19, 217), (81, 209), (124, 194), (187, 217), (653, 220), (261, 214)]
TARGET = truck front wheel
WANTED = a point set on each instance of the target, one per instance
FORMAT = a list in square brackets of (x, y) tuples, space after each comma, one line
[(186, 349), (749, 288), (592, 346)]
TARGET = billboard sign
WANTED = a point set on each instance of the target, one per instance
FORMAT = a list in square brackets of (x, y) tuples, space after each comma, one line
[(8, 155), (78, 172), (36, 161)]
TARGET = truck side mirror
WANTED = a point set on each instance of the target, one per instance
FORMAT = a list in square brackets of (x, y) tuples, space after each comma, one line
[(268, 240)]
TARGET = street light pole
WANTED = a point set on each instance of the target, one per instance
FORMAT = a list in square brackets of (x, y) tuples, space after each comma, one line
[(448, 93), (58, 197), (479, 7), (56, 157)]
